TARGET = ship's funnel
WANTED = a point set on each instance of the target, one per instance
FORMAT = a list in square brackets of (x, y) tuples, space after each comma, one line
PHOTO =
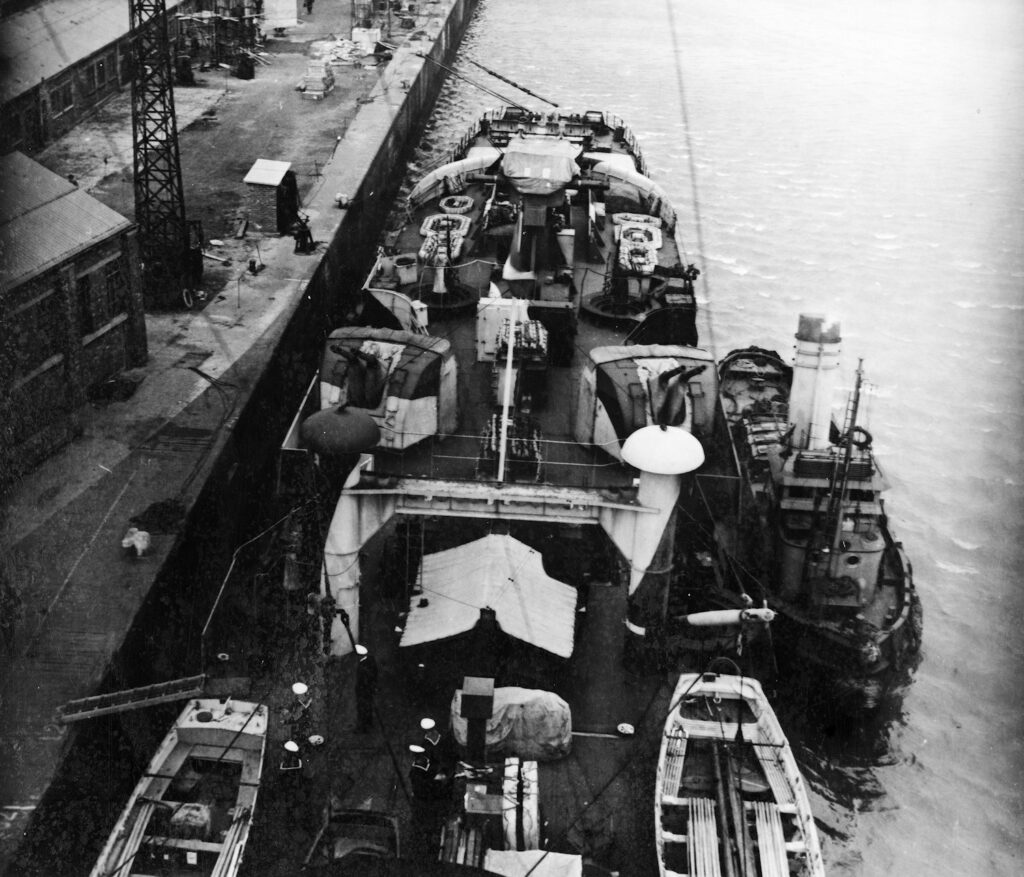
[(815, 368)]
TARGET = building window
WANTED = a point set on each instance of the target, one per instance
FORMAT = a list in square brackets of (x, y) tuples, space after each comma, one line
[(87, 322), (90, 80), (38, 332), (126, 66), (117, 290), (102, 294), (101, 73), (62, 98)]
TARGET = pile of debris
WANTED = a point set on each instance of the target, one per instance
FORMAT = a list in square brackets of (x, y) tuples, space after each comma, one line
[(340, 52), (318, 81)]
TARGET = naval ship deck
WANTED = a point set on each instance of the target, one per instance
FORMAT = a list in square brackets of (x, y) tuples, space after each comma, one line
[(559, 459), (554, 457)]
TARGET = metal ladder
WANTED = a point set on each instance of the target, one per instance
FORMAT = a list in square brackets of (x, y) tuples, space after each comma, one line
[(130, 699)]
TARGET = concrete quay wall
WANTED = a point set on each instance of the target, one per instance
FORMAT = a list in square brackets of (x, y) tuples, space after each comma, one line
[(198, 476)]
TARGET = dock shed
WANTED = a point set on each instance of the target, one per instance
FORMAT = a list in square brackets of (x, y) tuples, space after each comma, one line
[(273, 194)]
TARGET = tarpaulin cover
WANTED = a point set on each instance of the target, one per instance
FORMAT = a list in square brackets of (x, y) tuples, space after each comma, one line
[(393, 363), (659, 205), (497, 572), (528, 723), (432, 185), (627, 175), (540, 165), (536, 863)]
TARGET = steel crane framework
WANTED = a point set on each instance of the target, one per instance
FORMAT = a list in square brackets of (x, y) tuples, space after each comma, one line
[(170, 246)]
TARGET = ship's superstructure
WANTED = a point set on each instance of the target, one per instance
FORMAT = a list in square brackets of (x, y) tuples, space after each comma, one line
[(529, 315)]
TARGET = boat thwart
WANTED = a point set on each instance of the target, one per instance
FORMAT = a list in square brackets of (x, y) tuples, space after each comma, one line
[(192, 810), (729, 797)]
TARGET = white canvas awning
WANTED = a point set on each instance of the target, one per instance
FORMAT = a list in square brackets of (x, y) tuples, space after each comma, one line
[(497, 572)]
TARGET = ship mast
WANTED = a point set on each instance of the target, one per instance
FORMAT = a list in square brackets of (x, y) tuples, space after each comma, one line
[(815, 368), (834, 517)]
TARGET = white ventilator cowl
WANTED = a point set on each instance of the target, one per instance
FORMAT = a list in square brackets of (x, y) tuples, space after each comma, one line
[(663, 450)]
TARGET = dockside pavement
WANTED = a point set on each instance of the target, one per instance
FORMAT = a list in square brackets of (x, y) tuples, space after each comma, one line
[(62, 524)]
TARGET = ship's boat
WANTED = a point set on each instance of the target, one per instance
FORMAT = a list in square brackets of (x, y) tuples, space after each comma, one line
[(811, 520), (729, 797), (193, 808)]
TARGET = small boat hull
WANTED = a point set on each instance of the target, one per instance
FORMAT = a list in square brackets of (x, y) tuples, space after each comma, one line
[(729, 797), (192, 810)]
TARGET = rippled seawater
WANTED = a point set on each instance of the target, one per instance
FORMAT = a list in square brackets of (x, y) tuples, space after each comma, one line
[(864, 160)]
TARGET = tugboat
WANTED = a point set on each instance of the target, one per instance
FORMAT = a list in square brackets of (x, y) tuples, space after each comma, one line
[(729, 797), (811, 520), (519, 386)]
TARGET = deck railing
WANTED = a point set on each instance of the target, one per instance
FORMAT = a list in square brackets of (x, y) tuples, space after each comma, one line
[(458, 149), (529, 460)]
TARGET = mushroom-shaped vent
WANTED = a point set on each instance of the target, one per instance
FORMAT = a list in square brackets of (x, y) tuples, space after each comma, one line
[(663, 450), (336, 431)]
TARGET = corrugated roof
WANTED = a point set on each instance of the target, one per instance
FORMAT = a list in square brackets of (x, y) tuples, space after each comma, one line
[(45, 220), (25, 185), (266, 172), (40, 42), (504, 574)]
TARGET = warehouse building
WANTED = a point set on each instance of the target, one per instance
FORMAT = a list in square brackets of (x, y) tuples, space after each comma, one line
[(71, 308)]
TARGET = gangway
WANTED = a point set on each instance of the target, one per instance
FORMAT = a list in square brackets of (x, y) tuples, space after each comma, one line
[(131, 698)]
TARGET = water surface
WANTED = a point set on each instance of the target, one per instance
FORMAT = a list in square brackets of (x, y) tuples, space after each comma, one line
[(864, 161)]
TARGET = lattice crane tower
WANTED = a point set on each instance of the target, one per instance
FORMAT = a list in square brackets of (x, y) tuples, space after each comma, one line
[(166, 240)]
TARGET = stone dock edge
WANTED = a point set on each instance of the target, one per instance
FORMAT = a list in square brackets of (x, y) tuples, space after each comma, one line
[(106, 609)]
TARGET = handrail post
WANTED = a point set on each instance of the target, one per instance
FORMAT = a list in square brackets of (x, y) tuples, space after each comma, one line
[(506, 398)]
